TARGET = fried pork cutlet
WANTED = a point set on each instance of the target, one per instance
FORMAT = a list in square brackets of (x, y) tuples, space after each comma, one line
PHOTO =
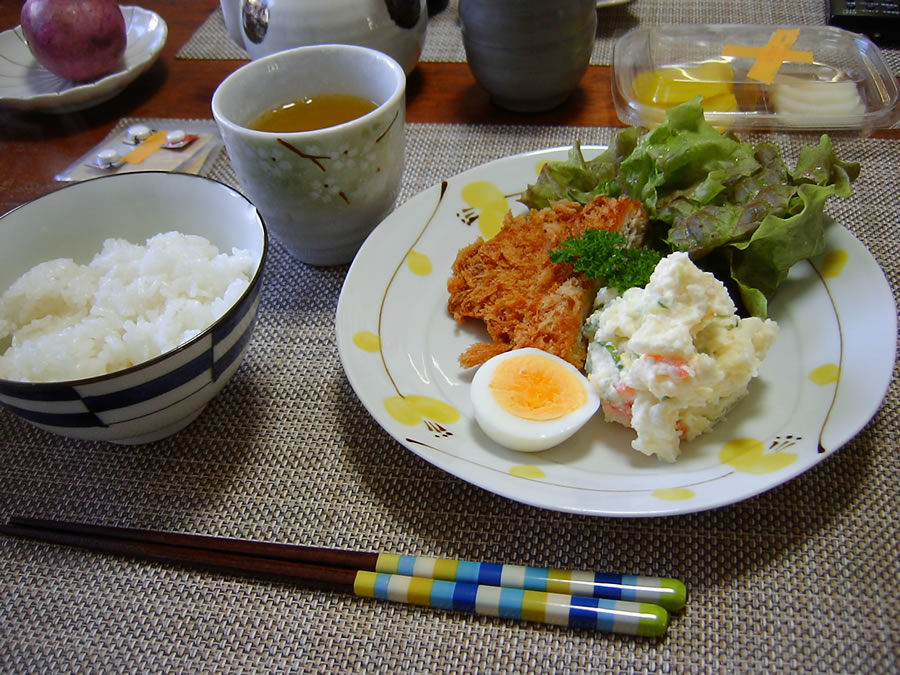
[(524, 299)]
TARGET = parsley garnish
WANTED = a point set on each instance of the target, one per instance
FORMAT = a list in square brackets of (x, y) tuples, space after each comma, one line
[(601, 254)]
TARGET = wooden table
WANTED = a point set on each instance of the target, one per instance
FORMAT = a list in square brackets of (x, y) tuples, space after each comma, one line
[(436, 92), (35, 146)]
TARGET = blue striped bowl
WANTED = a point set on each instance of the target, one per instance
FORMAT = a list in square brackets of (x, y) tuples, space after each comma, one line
[(154, 399)]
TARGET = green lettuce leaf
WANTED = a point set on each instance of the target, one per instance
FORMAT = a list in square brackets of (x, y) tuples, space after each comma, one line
[(710, 194), (760, 263), (579, 180)]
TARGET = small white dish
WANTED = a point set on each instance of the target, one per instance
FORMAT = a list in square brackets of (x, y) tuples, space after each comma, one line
[(26, 85), (822, 381), (611, 3)]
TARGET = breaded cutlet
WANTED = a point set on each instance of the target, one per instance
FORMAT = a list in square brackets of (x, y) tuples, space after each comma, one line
[(524, 299)]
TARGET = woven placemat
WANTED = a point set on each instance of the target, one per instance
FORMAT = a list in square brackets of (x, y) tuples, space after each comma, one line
[(443, 41), (800, 578)]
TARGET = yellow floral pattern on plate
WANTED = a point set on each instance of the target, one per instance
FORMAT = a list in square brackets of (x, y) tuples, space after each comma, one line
[(527, 471), (414, 408), (827, 374), (491, 204), (419, 263), (367, 341), (674, 494), (834, 262), (747, 455)]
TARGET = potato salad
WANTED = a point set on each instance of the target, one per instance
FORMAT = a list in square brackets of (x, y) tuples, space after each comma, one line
[(670, 359)]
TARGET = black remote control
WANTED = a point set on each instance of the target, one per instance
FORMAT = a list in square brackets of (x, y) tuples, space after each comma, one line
[(878, 19)]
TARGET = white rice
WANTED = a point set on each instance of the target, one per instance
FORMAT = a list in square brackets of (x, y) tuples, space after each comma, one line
[(131, 303)]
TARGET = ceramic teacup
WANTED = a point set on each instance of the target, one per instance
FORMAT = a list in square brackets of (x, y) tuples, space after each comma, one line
[(320, 192)]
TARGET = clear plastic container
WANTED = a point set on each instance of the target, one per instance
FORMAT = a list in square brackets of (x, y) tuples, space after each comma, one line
[(755, 76)]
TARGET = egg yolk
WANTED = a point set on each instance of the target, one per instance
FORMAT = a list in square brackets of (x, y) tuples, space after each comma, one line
[(535, 388)]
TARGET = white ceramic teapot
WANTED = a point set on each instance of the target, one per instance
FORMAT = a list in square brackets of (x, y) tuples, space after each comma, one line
[(395, 27)]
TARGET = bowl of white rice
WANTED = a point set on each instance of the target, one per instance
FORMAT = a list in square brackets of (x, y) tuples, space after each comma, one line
[(128, 303)]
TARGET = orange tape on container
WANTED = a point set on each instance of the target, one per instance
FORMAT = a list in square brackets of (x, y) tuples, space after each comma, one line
[(772, 56)]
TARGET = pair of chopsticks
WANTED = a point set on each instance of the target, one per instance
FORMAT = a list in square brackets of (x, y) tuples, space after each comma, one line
[(614, 603)]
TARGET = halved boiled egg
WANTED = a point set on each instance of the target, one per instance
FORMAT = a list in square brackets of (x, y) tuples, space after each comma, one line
[(528, 399)]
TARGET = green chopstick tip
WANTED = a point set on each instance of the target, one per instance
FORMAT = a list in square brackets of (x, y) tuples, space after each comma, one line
[(654, 620), (673, 596)]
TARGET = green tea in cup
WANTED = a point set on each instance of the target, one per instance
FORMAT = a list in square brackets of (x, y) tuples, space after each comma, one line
[(312, 112), (321, 186)]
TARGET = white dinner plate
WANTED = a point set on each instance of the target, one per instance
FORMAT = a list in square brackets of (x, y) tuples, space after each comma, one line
[(822, 381), (26, 85), (611, 3)]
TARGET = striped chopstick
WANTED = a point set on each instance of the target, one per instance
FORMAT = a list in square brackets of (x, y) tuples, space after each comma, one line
[(509, 591), (663, 591), (666, 592)]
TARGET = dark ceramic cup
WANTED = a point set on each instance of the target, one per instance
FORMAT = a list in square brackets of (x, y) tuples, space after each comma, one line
[(530, 54)]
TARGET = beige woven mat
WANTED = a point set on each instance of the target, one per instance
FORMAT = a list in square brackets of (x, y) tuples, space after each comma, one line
[(444, 43), (799, 579)]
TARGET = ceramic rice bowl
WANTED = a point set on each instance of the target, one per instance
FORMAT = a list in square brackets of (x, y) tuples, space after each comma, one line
[(156, 398)]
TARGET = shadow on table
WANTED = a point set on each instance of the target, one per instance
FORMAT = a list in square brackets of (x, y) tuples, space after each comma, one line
[(170, 484), (615, 20), (24, 126)]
